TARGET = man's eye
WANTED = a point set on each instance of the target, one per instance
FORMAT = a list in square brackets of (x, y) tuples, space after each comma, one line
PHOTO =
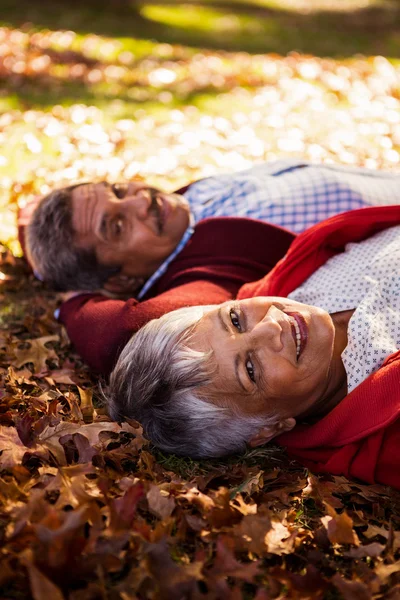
[(250, 370), (116, 227), (119, 190), (235, 320)]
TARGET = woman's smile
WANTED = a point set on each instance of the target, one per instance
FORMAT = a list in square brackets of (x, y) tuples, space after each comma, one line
[(269, 355), (299, 331)]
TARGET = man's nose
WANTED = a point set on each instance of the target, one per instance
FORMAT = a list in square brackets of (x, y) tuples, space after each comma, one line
[(268, 334), (140, 202)]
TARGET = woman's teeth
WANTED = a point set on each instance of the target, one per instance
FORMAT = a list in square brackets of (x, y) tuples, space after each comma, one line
[(298, 335)]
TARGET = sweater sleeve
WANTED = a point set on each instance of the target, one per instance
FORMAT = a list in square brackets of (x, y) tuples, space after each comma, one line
[(99, 327)]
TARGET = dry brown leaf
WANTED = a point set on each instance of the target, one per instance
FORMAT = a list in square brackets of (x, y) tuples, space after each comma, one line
[(374, 530), (194, 496), (87, 407), (385, 571), (373, 550), (351, 590), (226, 564), (37, 353), (279, 539), (339, 527), (12, 449), (160, 505), (66, 376), (252, 532)]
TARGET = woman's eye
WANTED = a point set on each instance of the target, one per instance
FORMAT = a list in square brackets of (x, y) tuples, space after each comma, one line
[(250, 370), (119, 190), (235, 320)]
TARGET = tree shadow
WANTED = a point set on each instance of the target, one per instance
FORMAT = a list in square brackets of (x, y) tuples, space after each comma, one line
[(233, 25)]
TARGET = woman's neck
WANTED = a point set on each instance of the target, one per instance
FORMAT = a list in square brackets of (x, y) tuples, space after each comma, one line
[(341, 323), (323, 406)]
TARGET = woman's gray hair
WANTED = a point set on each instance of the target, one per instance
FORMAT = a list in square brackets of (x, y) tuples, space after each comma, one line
[(52, 251), (156, 381)]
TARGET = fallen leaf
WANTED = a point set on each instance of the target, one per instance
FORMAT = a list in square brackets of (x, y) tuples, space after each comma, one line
[(12, 449), (373, 550), (351, 590), (160, 505), (385, 571), (37, 353), (279, 539), (87, 407), (339, 527), (252, 532)]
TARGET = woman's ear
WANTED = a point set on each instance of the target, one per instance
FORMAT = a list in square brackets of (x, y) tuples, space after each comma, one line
[(122, 284), (267, 433)]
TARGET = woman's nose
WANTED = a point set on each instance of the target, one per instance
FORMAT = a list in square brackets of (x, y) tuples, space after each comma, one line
[(268, 334)]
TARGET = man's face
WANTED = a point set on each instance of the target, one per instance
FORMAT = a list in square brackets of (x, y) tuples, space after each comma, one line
[(129, 225)]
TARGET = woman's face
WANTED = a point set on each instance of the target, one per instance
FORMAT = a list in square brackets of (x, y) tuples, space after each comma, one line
[(272, 356)]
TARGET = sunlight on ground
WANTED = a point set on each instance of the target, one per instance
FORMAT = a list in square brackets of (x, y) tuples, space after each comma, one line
[(308, 6)]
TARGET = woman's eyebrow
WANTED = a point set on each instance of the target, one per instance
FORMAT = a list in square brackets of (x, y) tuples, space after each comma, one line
[(237, 357), (237, 361), (221, 320)]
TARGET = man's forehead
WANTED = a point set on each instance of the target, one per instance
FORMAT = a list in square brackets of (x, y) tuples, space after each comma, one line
[(84, 202)]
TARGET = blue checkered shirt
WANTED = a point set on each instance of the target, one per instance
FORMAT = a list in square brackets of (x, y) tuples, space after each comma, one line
[(289, 192)]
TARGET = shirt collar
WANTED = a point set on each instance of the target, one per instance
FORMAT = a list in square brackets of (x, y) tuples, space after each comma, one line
[(162, 268)]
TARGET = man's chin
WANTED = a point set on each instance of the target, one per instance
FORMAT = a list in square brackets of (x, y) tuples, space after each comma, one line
[(179, 201)]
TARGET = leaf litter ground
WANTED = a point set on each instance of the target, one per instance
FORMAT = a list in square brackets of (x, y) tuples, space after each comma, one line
[(89, 509)]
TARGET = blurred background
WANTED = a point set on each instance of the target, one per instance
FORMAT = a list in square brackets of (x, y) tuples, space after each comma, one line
[(96, 89)]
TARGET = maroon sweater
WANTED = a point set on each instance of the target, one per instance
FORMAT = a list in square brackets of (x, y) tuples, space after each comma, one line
[(223, 254)]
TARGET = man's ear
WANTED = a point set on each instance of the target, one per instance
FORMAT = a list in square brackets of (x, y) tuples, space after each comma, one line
[(267, 433), (122, 284)]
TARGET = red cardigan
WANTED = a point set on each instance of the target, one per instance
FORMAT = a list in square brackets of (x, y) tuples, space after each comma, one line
[(222, 255), (361, 436)]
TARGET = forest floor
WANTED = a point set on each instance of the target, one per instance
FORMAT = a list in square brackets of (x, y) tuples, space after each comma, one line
[(172, 93)]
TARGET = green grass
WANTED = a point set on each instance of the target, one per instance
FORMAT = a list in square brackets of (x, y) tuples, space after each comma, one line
[(259, 27)]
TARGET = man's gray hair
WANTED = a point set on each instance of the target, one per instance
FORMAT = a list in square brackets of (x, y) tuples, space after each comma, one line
[(155, 381), (51, 248)]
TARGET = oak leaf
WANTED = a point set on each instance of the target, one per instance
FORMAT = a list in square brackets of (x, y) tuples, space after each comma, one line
[(279, 539), (160, 505), (252, 531), (37, 353), (351, 590), (12, 448), (339, 527), (372, 550), (87, 408)]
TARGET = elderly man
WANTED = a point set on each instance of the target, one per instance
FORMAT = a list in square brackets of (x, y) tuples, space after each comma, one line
[(122, 236)]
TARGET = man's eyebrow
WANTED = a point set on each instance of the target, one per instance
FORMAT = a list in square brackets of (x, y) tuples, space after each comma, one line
[(103, 226), (237, 357)]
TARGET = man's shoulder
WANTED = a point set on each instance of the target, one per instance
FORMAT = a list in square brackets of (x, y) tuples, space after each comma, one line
[(235, 236)]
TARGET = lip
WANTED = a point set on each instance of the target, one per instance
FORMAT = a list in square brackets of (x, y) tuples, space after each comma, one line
[(159, 208), (303, 330), (165, 209)]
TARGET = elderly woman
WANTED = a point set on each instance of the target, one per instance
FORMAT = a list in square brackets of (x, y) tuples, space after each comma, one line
[(310, 354)]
